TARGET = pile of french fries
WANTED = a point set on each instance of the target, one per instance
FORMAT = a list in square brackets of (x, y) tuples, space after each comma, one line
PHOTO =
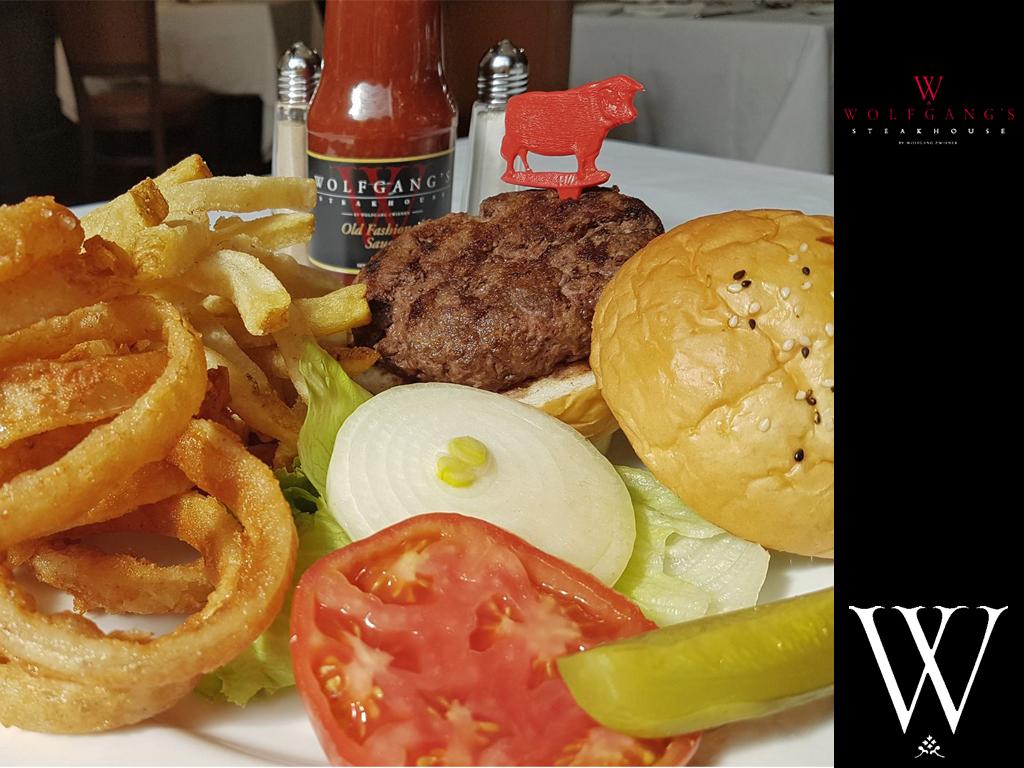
[(255, 307)]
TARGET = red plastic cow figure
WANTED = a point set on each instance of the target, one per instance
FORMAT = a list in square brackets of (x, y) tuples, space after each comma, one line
[(557, 123)]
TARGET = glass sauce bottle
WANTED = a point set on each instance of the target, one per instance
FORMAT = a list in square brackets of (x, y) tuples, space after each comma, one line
[(381, 128)]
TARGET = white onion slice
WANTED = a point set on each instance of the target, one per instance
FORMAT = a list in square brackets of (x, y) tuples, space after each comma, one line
[(543, 481)]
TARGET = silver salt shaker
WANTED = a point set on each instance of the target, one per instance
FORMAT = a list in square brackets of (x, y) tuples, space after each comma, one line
[(298, 74), (503, 73)]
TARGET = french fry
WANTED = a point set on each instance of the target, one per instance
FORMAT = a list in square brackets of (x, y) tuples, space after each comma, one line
[(149, 202), (218, 397), (119, 220), (339, 310), (285, 391), (252, 396), (242, 193), (301, 281), (103, 260), (233, 324), (191, 168), (185, 300), (270, 360), (273, 232), (291, 341), (143, 205), (285, 455), (171, 248), (259, 296), (219, 306), (342, 339), (355, 360), (258, 404)]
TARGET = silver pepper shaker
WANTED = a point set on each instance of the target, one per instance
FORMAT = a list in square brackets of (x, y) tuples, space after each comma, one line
[(298, 74), (503, 73)]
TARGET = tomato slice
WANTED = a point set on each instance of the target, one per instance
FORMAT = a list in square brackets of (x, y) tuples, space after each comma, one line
[(433, 642)]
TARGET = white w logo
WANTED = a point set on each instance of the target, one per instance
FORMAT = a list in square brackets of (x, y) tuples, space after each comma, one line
[(931, 669)]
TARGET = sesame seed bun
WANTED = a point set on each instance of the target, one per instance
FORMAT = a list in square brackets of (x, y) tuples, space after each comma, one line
[(570, 394), (713, 348)]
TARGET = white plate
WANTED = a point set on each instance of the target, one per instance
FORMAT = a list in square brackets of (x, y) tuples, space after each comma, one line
[(275, 731)]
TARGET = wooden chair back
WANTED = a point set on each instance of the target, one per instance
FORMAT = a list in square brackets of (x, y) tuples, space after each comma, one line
[(109, 39), (105, 39)]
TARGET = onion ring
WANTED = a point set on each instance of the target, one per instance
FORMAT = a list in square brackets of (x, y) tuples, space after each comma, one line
[(49, 705), (240, 607), (118, 582), (43, 395), (150, 484), (142, 434), (39, 450), (68, 282), (35, 231)]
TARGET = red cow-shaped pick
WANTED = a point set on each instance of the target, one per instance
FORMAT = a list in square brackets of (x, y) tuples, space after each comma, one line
[(556, 123)]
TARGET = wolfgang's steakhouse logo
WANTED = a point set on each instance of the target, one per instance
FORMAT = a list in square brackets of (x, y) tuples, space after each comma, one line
[(929, 121)]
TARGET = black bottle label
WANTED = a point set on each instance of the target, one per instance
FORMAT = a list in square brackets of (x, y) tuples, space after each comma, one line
[(363, 204)]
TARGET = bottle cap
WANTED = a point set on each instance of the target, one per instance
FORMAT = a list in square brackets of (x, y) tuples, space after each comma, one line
[(298, 74), (503, 73)]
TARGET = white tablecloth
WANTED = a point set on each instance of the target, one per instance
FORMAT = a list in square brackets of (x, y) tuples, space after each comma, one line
[(754, 87), (229, 48), (680, 186)]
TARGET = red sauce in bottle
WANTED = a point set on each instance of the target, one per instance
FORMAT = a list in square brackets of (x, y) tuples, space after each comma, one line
[(381, 128)]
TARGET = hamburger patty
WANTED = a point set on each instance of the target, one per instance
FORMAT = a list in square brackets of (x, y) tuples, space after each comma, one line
[(496, 299)]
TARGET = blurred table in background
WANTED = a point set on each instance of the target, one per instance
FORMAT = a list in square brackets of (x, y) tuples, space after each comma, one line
[(679, 186), (754, 86), (225, 47)]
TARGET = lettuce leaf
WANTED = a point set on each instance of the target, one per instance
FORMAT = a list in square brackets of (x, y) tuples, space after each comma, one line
[(333, 396), (266, 666), (682, 566)]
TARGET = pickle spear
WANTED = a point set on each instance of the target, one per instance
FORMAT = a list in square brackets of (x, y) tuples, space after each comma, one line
[(705, 673)]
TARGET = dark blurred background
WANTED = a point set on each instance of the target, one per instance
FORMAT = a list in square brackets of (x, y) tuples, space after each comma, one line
[(134, 85), (42, 150)]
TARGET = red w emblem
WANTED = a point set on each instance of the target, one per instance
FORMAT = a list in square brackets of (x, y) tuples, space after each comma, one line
[(929, 86)]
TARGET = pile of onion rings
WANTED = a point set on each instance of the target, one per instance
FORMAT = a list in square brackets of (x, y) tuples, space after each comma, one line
[(98, 434)]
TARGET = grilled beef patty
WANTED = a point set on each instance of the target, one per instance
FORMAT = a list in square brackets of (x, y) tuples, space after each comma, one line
[(497, 299)]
